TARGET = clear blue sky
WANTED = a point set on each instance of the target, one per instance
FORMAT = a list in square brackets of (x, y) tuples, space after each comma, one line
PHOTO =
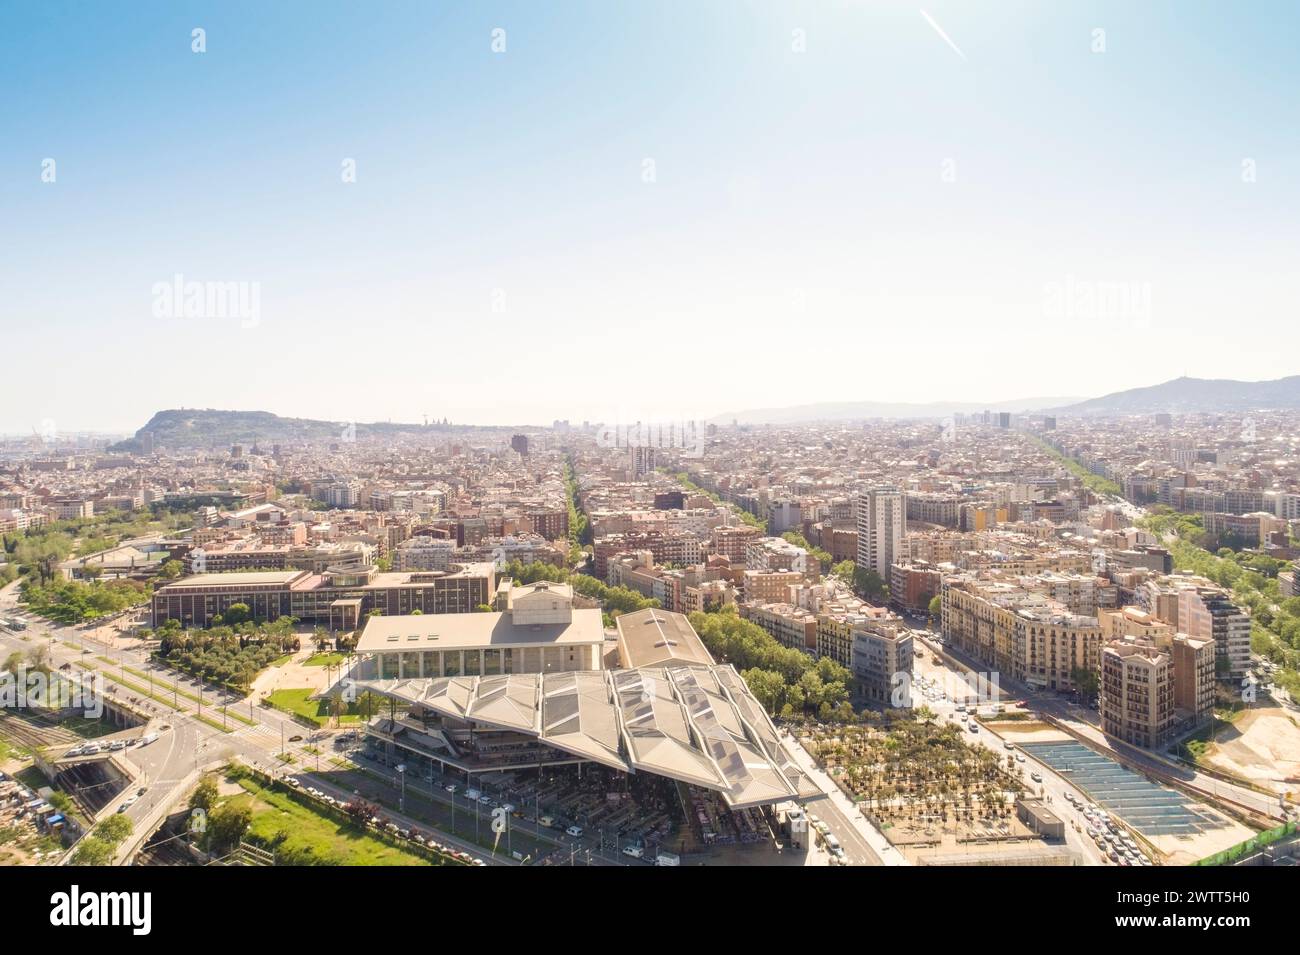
[(800, 242)]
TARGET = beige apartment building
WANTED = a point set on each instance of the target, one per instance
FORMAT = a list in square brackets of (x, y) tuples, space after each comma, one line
[(1137, 693), (1027, 636), (770, 586)]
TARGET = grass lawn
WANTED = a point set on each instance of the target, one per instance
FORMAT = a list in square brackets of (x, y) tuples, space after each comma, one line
[(304, 831), (324, 660), (295, 701)]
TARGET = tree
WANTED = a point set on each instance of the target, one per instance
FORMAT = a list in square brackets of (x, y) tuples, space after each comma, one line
[(1086, 681), (93, 851), (115, 829), (767, 686), (227, 825), (205, 795), (844, 571), (870, 585), (237, 613), (936, 606), (171, 569)]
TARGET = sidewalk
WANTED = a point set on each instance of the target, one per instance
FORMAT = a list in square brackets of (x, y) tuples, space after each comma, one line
[(887, 854)]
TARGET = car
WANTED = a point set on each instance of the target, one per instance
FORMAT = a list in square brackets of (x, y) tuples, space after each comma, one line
[(574, 831), (295, 739), (974, 727), (1007, 744), (635, 852), (450, 787), (485, 799), (130, 801), (472, 794), (1020, 757), (1036, 776), (117, 745)]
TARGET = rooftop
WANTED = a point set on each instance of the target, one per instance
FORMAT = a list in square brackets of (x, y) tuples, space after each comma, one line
[(443, 631), (698, 725), (659, 638)]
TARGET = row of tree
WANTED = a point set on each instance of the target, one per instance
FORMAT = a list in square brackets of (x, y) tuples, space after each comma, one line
[(785, 680)]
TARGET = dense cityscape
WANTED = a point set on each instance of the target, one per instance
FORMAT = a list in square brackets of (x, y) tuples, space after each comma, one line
[(995, 638), (587, 436)]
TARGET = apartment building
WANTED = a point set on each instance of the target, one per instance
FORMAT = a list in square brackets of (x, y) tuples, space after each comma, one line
[(770, 586), (881, 526), (732, 542), (1137, 692), (1028, 636), (913, 585), (789, 625), (879, 651), (1193, 676), (776, 553), (1208, 613), (424, 553)]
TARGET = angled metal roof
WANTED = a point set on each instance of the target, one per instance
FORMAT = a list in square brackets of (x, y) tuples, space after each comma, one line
[(698, 725)]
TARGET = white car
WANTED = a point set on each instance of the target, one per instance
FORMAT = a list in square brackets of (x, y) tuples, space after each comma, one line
[(636, 852), (574, 831), (1036, 776)]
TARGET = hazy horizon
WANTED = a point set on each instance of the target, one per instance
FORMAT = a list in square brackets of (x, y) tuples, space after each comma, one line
[(613, 213)]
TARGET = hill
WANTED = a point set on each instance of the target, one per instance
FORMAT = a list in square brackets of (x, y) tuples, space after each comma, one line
[(209, 428), (1192, 396)]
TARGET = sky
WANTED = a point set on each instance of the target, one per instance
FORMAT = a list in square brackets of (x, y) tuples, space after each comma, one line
[(637, 210)]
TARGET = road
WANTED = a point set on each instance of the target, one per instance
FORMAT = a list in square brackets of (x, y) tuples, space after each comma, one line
[(863, 844), (1085, 723), (1052, 787), (189, 743)]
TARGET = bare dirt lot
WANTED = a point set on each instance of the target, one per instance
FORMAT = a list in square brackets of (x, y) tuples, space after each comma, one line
[(1262, 745)]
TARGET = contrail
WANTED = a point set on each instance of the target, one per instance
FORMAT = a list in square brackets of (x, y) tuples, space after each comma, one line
[(946, 39)]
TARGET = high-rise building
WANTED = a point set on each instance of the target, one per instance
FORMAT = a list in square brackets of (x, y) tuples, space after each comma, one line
[(640, 460), (881, 522), (1210, 614)]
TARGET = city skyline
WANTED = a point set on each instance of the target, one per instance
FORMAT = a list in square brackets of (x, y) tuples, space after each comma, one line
[(403, 201)]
